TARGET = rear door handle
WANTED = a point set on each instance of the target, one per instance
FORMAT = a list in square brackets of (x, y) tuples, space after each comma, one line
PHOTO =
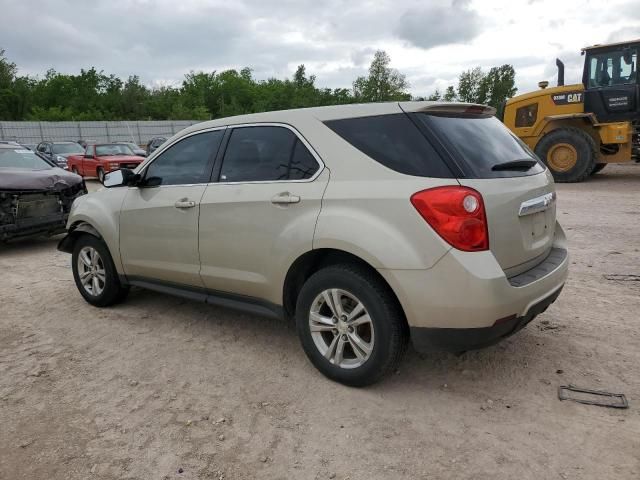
[(184, 203), (285, 198)]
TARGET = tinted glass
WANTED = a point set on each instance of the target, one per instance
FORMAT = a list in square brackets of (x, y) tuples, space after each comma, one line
[(21, 158), (258, 154), (303, 165), (479, 143), (395, 142), (187, 161), (112, 150), (611, 68), (67, 148)]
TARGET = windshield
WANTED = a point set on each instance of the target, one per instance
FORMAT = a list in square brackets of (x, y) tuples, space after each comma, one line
[(22, 158), (59, 148), (114, 149), (618, 67), (479, 143)]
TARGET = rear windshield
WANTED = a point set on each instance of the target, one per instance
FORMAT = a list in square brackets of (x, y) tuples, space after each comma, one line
[(395, 142), (22, 158), (66, 148), (111, 150), (478, 143)]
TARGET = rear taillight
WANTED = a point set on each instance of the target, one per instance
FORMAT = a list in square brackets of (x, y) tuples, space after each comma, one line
[(457, 214)]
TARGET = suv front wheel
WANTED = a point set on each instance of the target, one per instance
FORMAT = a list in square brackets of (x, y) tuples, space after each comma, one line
[(94, 272), (350, 325)]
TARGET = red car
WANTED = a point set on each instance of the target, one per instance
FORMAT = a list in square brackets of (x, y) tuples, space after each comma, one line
[(101, 159)]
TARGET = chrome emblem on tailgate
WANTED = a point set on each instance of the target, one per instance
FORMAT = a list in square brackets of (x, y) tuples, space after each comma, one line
[(538, 204)]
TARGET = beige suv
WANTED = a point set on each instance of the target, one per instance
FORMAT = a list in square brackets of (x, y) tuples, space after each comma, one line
[(368, 224)]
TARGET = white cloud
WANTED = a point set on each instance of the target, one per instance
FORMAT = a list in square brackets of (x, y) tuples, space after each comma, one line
[(432, 42)]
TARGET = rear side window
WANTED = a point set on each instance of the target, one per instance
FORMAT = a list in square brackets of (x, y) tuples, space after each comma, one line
[(395, 142), (479, 143), (303, 165), (266, 153)]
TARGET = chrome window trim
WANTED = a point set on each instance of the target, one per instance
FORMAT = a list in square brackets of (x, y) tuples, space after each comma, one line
[(165, 146), (321, 165), (299, 136)]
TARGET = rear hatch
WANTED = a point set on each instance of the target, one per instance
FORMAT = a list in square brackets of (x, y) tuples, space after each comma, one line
[(517, 190)]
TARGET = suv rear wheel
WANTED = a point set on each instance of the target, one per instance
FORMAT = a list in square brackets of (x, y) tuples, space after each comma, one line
[(94, 272), (350, 325)]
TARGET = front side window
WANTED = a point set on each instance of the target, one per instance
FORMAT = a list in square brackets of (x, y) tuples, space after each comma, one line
[(618, 67), (266, 153), (187, 161)]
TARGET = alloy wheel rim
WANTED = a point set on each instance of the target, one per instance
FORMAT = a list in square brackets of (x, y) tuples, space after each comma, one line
[(91, 271), (562, 157), (341, 328)]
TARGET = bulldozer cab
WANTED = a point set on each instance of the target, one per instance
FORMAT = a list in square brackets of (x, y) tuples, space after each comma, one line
[(611, 82)]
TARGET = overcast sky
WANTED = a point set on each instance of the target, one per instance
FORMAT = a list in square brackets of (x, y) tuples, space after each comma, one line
[(431, 41)]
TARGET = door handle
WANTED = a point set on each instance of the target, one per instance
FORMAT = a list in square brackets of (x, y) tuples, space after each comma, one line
[(184, 203), (285, 198)]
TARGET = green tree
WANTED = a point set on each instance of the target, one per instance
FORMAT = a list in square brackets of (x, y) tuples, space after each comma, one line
[(469, 85), (383, 82), (450, 94), (435, 96), (497, 86)]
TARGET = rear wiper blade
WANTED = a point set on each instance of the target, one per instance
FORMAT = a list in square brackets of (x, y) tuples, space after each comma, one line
[(524, 164)]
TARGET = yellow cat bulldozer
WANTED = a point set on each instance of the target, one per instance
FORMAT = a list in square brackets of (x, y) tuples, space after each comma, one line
[(576, 130)]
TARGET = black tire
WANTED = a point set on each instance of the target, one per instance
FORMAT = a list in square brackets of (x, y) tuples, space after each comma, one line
[(75, 170), (598, 168), (100, 173), (387, 318), (113, 291), (584, 146)]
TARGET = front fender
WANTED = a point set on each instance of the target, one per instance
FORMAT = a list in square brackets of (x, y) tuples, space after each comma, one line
[(97, 213)]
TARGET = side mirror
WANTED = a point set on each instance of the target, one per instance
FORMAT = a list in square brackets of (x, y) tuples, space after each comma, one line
[(88, 155), (121, 178)]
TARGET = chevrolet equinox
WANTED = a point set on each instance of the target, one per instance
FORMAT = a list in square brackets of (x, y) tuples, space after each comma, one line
[(369, 225)]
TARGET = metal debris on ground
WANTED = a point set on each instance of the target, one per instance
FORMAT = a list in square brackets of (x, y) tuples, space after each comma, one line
[(592, 397)]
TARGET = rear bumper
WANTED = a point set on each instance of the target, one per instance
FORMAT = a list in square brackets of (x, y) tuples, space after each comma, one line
[(461, 339), (466, 297)]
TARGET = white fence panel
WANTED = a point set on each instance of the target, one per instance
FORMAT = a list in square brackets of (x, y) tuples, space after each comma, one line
[(139, 132)]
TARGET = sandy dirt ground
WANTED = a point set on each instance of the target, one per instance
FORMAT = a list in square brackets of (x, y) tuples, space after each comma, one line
[(163, 388)]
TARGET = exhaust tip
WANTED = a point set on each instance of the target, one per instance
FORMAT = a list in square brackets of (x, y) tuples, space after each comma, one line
[(560, 66)]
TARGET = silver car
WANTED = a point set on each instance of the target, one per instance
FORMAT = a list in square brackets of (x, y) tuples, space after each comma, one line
[(369, 225)]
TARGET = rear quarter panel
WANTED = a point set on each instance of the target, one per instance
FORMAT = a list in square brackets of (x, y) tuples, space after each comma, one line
[(376, 221), (366, 208)]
